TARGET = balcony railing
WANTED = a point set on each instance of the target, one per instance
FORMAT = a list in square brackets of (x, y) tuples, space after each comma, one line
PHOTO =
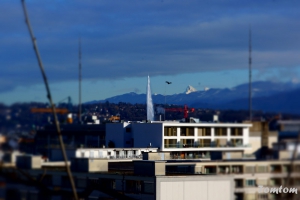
[(125, 157), (205, 146), (197, 156)]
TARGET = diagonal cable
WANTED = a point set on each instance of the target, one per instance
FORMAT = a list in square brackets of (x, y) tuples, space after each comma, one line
[(50, 100)]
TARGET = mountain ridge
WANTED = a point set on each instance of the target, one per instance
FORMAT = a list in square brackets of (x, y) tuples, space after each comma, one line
[(219, 98)]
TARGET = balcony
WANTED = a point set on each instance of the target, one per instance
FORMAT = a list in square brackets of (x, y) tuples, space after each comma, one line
[(275, 182), (190, 156), (223, 169), (210, 169), (239, 183), (237, 169), (275, 169)]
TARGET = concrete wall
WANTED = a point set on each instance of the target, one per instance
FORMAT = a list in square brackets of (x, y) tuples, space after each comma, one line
[(256, 126), (255, 142), (146, 133), (28, 162), (156, 156), (149, 168), (232, 155), (195, 187), (283, 155), (245, 136), (273, 138), (89, 165)]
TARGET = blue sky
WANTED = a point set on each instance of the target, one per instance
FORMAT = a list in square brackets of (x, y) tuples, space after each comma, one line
[(192, 42)]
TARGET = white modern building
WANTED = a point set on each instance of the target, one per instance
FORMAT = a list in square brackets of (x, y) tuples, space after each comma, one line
[(180, 138)]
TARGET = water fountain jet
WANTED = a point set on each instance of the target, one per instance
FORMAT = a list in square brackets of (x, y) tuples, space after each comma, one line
[(150, 110)]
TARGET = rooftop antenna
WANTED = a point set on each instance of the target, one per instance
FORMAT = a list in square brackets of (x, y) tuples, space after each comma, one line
[(250, 76), (79, 59)]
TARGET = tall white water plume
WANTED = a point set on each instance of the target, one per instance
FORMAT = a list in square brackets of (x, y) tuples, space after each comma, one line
[(150, 110)]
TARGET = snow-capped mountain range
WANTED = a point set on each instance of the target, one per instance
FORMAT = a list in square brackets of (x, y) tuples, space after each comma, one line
[(225, 98)]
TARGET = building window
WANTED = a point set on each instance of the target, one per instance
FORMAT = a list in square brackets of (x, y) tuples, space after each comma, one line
[(190, 131), (236, 142), (187, 143), (236, 132), (183, 131), (187, 131), (250, 169), (297, 168), (286, 168), (238, 183), (170, 143), (203, 143), (237, 169), (262, 196), (275, 169), (148, 187), (275, 182), (133, 186), (262, 181), (91, 154), (170, 131), (250, 182), (220, 131), (210, 169), (262, 169), (204, 131)]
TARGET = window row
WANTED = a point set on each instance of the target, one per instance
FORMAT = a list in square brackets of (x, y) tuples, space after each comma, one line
[(203, 131)]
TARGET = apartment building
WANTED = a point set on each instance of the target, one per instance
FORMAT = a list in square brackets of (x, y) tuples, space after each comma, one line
[(180, 161), (247, 175), (182, 139)]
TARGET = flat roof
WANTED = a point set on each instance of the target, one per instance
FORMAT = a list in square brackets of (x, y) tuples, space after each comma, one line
[(117, 149), (200, 124), (211, 124)]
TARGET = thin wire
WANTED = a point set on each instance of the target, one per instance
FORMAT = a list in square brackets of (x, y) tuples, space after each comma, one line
[(50, 100), (165, 105), (250, 76), (80, 77)]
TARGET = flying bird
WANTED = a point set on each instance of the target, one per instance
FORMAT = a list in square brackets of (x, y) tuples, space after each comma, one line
[(168, 82)]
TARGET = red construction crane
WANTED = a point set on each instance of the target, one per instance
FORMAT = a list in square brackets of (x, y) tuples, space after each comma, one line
[(49, 110), (186, 110)]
